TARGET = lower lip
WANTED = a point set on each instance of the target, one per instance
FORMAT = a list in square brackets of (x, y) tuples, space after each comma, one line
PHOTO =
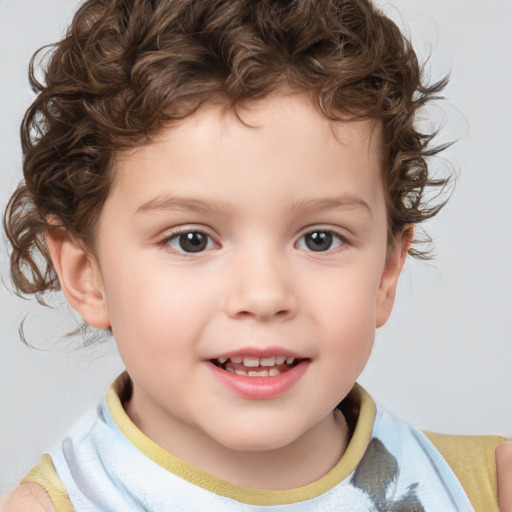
[(260, 388)]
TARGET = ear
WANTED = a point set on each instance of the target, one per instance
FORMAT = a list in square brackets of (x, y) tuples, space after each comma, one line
[(80, 278), (395, 260)]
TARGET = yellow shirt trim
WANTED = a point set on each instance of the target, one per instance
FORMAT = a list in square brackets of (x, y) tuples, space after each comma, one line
[(352, 456), (471, 458), (45, 475), (473, 461)]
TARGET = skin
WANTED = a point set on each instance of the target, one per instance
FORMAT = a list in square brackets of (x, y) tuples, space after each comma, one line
[(256, 191), (28, 497), (504, 467)]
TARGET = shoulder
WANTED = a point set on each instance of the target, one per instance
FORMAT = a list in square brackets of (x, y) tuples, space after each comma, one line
[(40, 490), (504, 467), (472, 460), (29, 497)]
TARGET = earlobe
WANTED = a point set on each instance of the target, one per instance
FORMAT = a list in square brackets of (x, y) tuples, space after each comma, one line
[(79, 277), (394, 263)]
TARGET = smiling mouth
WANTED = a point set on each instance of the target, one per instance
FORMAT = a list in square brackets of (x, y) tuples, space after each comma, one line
[(256, 366)]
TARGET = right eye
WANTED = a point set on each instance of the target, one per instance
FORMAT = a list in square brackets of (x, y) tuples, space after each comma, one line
[(190, 242)]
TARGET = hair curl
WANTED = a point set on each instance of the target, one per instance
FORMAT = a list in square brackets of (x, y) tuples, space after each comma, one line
[(126, 68)]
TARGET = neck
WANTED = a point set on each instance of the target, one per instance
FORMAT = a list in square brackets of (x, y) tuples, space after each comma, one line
[(299, 463)]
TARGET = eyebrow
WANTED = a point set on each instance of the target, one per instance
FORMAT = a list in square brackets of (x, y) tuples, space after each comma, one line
[(332, 203), (189, 204)]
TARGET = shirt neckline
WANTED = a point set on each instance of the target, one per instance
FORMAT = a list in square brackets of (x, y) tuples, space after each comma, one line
[(358, 403)]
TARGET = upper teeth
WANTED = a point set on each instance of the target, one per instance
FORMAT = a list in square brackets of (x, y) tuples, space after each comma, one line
[(254, 362)]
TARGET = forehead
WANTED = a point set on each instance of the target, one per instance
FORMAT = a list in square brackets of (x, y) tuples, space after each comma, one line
[(272, 114), (283, 139)]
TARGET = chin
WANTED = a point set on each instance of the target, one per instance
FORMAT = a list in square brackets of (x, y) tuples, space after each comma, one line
[(256, 440)]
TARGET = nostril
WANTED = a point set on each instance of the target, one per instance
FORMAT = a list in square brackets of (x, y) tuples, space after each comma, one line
[(263, 314)]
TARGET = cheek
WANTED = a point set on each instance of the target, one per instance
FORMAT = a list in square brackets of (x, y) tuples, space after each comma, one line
[(346, 313), (153, 308), (346, 297)]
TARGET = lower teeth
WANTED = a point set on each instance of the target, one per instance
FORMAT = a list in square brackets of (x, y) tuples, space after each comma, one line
[(273, 372), (260, 371)]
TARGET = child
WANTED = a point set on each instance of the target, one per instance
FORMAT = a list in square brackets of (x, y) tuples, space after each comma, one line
[(230, 188)]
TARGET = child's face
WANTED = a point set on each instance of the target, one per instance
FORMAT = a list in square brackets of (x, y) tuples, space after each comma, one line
[(222, 240)]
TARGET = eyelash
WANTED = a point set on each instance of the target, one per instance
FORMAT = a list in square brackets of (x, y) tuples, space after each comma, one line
[(329, 236)]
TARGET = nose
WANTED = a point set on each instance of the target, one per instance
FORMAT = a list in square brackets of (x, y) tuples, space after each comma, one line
[(261, 287)]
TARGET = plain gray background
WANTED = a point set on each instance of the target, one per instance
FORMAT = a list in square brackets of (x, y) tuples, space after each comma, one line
[(442, 362)]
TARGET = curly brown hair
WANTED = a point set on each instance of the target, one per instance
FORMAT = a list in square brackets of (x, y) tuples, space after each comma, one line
[(126, 68)]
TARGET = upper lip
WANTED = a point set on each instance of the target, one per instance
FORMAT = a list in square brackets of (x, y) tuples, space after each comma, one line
[(259, 353)]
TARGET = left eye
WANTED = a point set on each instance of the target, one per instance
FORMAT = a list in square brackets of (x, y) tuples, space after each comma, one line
[(320, 241), (190, 242)]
